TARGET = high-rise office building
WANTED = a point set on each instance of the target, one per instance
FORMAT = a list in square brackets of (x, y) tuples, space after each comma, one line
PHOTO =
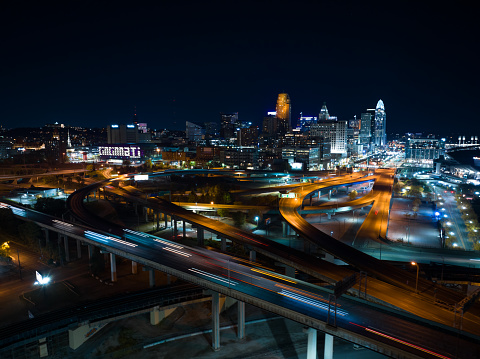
[(228, 125), (365, 136), (284, 114), (269, 125), (324, 115), (194, 131), (379, 134), (121, 134)]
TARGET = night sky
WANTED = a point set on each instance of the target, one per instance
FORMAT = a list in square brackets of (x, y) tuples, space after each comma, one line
[(88, 63)]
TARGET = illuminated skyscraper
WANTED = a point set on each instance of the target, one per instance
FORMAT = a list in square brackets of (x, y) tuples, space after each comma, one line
[(324, 115), (379, 134), (284, 114)]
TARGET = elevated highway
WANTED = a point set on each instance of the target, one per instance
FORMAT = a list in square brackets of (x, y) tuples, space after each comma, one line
[(383, 287), (289, 208), (387, 331)]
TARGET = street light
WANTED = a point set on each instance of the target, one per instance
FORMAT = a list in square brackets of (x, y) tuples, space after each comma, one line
[(416, 282)]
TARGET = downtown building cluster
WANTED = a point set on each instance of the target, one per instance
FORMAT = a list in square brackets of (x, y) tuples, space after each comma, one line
[(281, 143), (307, 143)]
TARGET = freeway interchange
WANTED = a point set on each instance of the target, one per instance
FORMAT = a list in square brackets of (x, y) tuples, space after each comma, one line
[(385, 330)]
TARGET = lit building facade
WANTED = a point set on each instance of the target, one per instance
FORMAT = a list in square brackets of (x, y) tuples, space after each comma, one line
[(334, 132), (283, 114), (121, 134), (424, 150), (194, 131), (379, 134)]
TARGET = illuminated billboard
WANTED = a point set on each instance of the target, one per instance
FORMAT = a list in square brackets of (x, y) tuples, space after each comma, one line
[(141, 177), (125, 152)]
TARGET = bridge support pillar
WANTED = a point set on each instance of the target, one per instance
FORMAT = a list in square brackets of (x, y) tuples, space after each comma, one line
[(146, 214), (67, 253), (329, 194), (200, 236), (253, 255), (165, 217), (328, 351), (158, 221), (311, 197), (156, 315), (47, 235), (224, 244), (184, 229), (329, 215), (151, 277), (312, 343), (59, 240), (79, 249), (113, 267), (134, 267), (135, 207), (215, 321), (175, 232), (90, 251), (286, 229), (329, 258), (241, 320)]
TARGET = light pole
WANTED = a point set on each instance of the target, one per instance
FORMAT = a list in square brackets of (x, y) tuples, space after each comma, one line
[(416, 282), (256, 219)]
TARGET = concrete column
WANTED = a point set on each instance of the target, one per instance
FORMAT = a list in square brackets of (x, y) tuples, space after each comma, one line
[(146, 214), (241, 319), (328, 352), (224, 244), (113, 267), (59, 239), (151, 277), (284, 228), (158, 221), (67, 254), (90, 251), (135, 207), (175, 232), (134, 267), (79, 249), (312, 343), (47, 235), (253, 255), (184, 228), (156, 315), (166, 219), (329, 215), (329, 194), (311, 196), (200, 236), (215, 321)]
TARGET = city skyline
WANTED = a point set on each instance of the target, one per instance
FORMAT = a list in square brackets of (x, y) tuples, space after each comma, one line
[(87, 66)]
